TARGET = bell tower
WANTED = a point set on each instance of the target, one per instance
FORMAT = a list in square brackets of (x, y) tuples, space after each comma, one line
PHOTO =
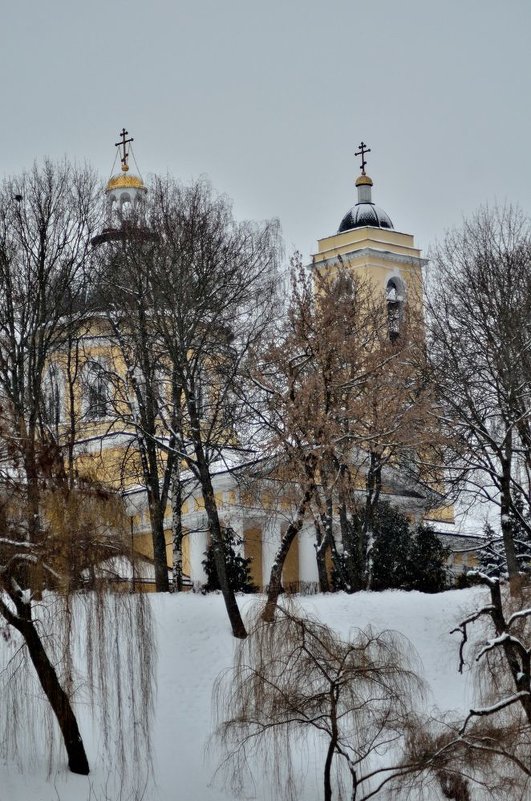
[(369, 244)]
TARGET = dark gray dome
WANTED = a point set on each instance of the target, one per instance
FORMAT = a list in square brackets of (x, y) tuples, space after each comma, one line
[(364, 214)]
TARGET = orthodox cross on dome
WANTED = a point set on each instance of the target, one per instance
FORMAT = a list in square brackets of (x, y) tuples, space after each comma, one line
[(123, 144), (361, 152)]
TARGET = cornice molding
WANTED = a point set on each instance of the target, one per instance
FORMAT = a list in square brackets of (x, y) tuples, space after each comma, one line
[(383, 255)]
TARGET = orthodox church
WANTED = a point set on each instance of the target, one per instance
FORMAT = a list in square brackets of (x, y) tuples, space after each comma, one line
[(367, 241)]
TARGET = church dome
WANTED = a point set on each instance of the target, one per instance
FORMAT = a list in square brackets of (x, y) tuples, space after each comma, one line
[(124, 181), (364, 213)]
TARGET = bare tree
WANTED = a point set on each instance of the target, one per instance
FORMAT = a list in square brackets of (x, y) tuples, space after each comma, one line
[(295, 677), (214, 291), (491, 747), (55, 526), (135, 373), (489, 760), (340, 402), (480, 349), (199, 293), (507, 652)]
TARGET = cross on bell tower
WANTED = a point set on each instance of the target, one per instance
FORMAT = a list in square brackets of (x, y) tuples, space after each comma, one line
[(123, 144), (361, 152)]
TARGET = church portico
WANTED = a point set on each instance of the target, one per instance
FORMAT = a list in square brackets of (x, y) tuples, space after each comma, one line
[(308, 573)]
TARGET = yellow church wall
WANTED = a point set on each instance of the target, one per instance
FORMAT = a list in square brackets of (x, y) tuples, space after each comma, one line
[(377, 272), (252, 549), (199, 503), (290, 574), (442, 514), (143, 545), (95, 345), (358, 238), (107, 465)]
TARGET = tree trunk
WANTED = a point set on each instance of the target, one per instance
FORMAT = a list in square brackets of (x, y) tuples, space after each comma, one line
[(327, 771), (331, 746), (373, 490), (275, 579), (506, 502), (148, 458), (177, 527), (321, 548), (59, 701), (201, 469), (162, 582), (211, 509), (31, 575), (518, 660), (150, 412)]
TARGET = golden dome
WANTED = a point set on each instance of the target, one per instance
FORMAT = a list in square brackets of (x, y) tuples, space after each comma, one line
[(125, 181), (363, 180)]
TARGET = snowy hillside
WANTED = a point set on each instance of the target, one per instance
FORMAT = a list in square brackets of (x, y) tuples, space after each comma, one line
[(194, 645)]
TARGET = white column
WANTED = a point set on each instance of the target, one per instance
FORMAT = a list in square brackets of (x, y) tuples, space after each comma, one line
[(308, 573), (198, 544), (271, 537), (237, 525)]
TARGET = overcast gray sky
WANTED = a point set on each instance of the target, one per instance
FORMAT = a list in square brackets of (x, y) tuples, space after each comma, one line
[(270, 99)]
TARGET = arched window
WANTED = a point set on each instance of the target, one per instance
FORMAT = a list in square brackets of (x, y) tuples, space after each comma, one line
[(96, 396), (395, 297)]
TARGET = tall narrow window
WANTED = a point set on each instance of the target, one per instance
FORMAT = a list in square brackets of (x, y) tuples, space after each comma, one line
[(96, 395), (395, 295), (53, 391)]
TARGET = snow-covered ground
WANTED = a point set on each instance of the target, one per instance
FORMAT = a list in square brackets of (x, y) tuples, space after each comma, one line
[(194, 646)]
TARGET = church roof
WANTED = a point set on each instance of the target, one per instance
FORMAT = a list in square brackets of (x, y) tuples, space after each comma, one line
[(124, 181), (363, 214)]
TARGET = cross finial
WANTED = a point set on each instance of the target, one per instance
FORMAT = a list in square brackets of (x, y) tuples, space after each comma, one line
[(123, 144), (361, 152)]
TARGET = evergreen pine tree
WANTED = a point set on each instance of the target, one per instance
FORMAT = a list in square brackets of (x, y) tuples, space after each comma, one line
[(491, 555), (403, 557), (392, 549), (238, 567), (427, 570), (492, 559)]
